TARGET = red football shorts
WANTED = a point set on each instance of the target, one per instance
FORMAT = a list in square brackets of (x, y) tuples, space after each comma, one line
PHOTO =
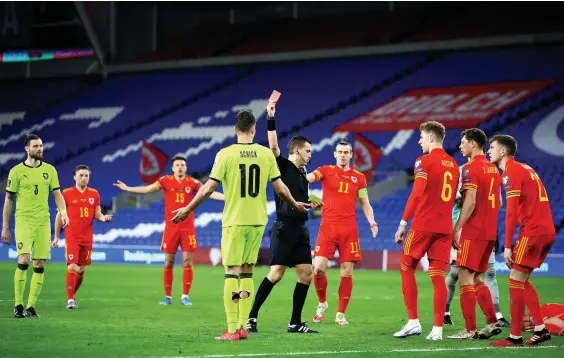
[(474, 254), (78, 253), (436, 246), (342, 237), (530, 251), (175, 235)]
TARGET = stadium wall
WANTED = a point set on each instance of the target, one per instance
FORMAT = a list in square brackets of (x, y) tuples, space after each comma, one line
[(384, 260)]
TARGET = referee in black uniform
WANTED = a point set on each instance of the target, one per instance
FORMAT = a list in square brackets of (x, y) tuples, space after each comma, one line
[(289, 241)]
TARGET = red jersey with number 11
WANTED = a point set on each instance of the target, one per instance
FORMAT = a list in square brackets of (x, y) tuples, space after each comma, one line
[(434, 190), (340, 190)]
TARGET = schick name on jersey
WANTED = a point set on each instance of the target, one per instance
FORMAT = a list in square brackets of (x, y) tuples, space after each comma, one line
[(248, 154)]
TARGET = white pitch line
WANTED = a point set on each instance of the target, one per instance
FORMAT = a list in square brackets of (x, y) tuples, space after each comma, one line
[(411, 350)]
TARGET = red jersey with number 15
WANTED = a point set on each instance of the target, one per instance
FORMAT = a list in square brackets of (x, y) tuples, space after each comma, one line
[(81, 208), (340, 190), (522, 182), (178, 194), (482, 176), (433, 208)]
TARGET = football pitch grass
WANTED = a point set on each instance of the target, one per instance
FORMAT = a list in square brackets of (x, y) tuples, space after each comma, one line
[(119, 316)]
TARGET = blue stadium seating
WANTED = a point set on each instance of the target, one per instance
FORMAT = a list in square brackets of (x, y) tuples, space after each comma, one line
[(308, 89)]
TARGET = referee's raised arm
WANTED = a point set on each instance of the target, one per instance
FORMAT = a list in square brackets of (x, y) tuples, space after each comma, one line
[(271, 126)]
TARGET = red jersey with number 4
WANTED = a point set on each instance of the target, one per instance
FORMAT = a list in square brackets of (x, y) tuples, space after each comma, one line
[(178, 194), (340, 190), (522, 182), (81, 208), (434, 190), (483, 176)]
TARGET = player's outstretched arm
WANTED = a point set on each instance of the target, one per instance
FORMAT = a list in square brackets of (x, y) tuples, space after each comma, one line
[(271, 126), (6, 212), (282, 190), (217, 196), (205, 192), (369, 214), (61, 206), (147, 189)]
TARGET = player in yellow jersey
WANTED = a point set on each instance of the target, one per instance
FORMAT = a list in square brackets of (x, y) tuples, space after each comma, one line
[(29, 183), (244, 169)]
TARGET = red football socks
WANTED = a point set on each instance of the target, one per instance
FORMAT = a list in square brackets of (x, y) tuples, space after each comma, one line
[(468, 305), (79, 281), (345, 291), (167, 279), (440, 297), (409, 289), (72, 277), (532, 302), (517, 294), (484, 298), (187, 279), (320, 282)]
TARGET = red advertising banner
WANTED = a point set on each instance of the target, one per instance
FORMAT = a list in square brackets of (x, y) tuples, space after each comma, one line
[(454, 107)]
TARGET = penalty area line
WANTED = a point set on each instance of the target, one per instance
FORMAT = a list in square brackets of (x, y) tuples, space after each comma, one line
[(410, 350)]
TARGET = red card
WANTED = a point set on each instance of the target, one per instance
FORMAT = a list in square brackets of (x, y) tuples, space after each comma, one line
[(274, 96)]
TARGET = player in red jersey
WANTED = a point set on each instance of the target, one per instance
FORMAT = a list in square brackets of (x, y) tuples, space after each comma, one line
[(179, 189), (341, 185), (553, 315), (527, 203), (430, 203), (475, 233), (83, 206)]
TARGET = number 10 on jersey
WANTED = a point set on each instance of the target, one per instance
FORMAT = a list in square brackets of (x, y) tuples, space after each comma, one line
[(252, 177)]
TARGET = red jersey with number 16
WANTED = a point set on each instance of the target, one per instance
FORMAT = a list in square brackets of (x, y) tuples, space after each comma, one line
[(340, 190), (433, 194), (483, 177), (81, 208), (177, 194)]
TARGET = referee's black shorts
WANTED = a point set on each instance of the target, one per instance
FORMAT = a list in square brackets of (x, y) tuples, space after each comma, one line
[(289, 243)]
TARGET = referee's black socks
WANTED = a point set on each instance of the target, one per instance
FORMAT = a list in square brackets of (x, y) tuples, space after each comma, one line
[(300, 294), (261, 295)]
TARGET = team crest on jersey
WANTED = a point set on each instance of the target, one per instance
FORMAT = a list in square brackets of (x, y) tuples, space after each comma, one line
[(354, 179), (505, 179), (417, 163), (45, 176), (187, 189), (91, 201), (71, 256)]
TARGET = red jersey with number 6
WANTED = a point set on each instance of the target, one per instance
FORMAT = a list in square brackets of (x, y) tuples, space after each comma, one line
[(483, 177), (434, 192), (177, 194), (522, 182)]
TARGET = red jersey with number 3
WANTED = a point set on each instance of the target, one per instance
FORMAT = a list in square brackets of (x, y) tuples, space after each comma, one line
[(178, 194), (482, 176), (81, 208), (522, 182), (340, 190), (433, 208)]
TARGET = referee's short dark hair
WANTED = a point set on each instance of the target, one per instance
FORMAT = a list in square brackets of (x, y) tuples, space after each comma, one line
[(297, 142), (244, 121), (29, 138)]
